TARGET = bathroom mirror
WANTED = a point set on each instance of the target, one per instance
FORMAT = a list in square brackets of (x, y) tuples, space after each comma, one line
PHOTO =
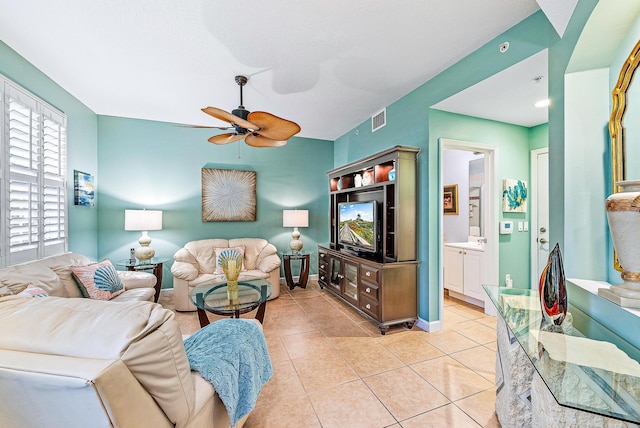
[(620, 106), (476, 186)]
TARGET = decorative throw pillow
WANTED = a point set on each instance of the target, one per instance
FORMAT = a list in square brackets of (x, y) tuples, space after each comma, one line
[(33, 291), (220, 250), (99, 281)]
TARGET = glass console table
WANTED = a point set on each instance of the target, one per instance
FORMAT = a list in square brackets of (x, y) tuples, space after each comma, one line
[(584, 365)]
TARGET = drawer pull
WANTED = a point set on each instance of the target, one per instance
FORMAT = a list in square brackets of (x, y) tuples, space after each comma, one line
[(368, 306), (322, 278), (368, 290), (368, 274), (321, 266), (340, 276)]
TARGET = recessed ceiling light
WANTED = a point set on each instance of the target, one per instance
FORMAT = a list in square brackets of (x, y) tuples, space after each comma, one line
[(543, 103)]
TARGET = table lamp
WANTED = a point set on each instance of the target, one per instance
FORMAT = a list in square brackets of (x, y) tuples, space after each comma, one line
[(295, 219), (143, 220)]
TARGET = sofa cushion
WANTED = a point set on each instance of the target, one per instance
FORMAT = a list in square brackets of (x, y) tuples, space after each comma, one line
[(61, 265), (136, 295), (17, 278), (205, 254), (98, 281), (253, 247)]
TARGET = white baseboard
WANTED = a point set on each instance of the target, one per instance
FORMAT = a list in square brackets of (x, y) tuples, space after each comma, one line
[(429, 326)]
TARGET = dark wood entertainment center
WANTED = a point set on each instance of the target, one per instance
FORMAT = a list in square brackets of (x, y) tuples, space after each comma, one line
[(382, 283)]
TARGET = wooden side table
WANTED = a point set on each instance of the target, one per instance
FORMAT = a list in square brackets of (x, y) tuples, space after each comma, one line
[(155, 265), (304, 257)]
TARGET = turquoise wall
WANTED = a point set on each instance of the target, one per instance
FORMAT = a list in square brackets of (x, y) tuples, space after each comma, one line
[(82, 143), (512, 143), (539, 136), (408, 124), (155, 165)]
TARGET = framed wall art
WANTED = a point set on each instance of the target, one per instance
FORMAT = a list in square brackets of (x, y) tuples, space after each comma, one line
[(450, 200), (83, 189), (228, 195), (514, 196)]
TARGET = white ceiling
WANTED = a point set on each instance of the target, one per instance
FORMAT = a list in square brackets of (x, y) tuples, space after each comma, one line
[(326, 65), (508, 96)]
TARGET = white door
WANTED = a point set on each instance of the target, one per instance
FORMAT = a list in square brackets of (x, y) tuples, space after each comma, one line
[(540, 213)]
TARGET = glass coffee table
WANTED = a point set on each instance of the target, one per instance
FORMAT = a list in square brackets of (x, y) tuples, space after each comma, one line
[(252, 293)]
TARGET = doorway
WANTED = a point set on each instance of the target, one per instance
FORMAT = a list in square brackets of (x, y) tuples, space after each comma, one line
[(481, 202), (539, 213)]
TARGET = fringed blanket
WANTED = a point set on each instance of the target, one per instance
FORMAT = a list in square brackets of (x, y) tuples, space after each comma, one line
[(232, 355)]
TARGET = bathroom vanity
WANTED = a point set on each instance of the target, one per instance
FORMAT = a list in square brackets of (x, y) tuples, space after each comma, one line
[(464, 272)]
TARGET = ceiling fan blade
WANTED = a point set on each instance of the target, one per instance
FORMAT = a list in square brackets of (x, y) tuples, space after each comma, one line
[(228, 117), (224, 128), (272, 126), (255, 140), (226, 138)]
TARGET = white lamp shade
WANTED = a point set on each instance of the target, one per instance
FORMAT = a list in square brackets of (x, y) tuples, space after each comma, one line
[(142, 220), (295, 218)]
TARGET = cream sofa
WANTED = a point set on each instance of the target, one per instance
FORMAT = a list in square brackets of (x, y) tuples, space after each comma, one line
[(90, 363), (53, 275), (195, 263)]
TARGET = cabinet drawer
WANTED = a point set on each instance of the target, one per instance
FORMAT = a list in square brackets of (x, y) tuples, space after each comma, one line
[(370, 307), (369, 290), (322, 278), (323, 257), (369, 274)]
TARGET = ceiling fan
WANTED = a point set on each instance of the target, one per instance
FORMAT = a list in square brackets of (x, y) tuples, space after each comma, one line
[(258, 128)]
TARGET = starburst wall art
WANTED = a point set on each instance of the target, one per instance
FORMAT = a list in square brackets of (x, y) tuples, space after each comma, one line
[(514, 196), (228, 195)]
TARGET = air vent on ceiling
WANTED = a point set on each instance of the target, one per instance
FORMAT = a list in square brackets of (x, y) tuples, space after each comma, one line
[(378, 120)]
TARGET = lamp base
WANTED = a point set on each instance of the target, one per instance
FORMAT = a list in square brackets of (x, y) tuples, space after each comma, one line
[(144, 253), (296, 243)]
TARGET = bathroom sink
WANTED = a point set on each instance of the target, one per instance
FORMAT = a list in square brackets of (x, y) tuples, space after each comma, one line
[(466, 245)]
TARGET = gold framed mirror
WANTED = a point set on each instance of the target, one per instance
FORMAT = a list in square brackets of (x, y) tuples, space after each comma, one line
[(616, 124)]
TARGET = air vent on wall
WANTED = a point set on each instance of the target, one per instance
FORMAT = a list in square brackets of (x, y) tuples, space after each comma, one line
[(378, 120)]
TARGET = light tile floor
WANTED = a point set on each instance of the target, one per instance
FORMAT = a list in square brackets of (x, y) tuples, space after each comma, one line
[(333, 368)]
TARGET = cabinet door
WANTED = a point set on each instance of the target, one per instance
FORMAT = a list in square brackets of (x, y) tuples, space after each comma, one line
[(335, 274), (350, 289), (454, 269), (473, 274)]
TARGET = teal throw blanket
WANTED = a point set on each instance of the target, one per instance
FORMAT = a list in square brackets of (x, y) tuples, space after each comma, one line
[(232, 355)]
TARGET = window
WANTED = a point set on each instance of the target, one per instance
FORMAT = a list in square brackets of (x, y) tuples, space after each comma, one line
[(33, 177)]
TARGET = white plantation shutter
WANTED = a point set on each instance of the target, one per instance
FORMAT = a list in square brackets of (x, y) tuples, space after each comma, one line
[(33, 178)]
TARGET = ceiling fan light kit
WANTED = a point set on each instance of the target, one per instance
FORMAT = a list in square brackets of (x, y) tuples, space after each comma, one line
[(258, 128)]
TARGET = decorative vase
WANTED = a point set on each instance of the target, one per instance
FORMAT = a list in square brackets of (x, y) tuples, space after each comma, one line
[(553, 290), (232, 290), (392, 174), (623, 215), (231, 263)]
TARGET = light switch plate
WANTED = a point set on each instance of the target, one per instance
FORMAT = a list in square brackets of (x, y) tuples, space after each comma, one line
[(526, 226), (520, 226)]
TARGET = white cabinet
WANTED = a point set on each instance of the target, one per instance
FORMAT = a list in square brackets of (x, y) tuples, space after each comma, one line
[(464, 271), (454, 269)]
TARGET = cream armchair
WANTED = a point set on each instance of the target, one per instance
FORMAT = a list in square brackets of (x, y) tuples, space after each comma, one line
[(195, 264)]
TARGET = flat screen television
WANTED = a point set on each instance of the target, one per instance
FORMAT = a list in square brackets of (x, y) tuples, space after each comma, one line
[(358, 222)]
